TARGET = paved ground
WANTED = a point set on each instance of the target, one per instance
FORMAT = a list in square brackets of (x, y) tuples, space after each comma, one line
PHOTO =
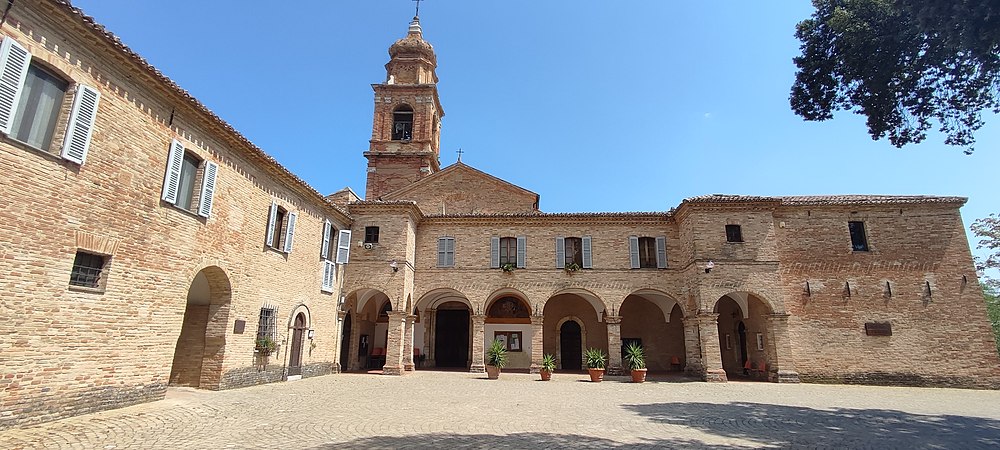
[(441, 410)]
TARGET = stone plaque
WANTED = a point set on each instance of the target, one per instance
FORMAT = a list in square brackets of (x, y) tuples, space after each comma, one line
[(878, 329), (239, 326)]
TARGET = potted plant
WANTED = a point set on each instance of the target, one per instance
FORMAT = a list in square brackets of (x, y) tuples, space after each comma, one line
[(265, 345), (548, 366), (496, 358), (572, 267), (508, 267), (635, 360), (596, 359)]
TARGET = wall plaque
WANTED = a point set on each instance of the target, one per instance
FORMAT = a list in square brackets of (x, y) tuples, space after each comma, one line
[(878, 329), (239, 326)]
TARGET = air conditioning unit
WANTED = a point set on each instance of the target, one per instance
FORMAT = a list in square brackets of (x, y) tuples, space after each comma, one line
[(369, 246)]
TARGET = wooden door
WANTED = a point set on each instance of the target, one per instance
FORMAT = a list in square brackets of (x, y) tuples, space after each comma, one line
[(295, 358), (569, 346)]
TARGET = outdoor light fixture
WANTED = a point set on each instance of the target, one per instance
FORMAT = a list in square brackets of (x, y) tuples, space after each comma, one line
[(394, 266), (311, 333), (708, 266)]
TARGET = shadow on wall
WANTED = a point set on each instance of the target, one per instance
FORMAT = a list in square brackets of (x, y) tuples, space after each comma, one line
[(755, 424), (797, 426)]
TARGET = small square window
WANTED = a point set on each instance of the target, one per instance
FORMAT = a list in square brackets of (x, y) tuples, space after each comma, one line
[(859, 241), (371, 235), (87, 270), (734, 233)]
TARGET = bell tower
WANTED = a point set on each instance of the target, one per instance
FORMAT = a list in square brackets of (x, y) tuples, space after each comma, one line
[(406, 131)]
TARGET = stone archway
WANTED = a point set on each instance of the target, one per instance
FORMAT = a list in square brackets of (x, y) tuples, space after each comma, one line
[(508, 318), (582, 306), (363, 306), (654, 320), (200, 349), (445, 335), (744, 343)]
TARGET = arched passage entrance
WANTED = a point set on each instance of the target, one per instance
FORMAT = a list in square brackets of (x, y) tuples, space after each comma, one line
[(743, 334), (444, 334), (586, 310), (654, 320), (363, 307), (201, 345)]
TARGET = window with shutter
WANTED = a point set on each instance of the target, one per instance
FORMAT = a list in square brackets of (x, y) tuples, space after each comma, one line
[(272, 218), (507, 251), (661, 252), (560, 252), (208, 189), (180, 182), (324, 250), (81, 124), (14, 63), (343, 246), (290, 232), (522, 251), (446, 252), (647, 253), (586, 255), (633, 251), (494, 252), (329, 276)]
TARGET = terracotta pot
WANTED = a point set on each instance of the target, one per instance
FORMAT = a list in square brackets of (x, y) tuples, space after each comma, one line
[(546, 375), (492, 372), (638, 375), (596, 375)]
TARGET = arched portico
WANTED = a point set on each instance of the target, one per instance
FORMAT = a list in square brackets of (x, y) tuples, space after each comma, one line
[(200, 349), (364, 306), (582, 307), (508, 318), (653, 319), (752, 338), (445, 337)]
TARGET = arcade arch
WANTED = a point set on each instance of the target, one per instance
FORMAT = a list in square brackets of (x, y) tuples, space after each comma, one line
[(200, 349)]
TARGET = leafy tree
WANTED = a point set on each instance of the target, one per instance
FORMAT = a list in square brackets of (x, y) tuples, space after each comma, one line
[(903, 64), (988, 231)]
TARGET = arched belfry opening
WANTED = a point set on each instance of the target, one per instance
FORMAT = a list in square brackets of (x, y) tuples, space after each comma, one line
[(201, 345), (402, 123)]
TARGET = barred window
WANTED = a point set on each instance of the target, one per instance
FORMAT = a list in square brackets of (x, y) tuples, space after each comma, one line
[(87, 269), (266, 325)]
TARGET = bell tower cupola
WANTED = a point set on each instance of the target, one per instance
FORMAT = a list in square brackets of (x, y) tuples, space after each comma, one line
[(406, 131)]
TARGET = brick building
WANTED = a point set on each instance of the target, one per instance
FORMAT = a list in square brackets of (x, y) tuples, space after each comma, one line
[(147, 243)]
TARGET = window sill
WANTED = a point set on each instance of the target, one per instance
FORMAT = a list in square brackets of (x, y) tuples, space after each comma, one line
[(736, 242), (183, 210), (89, 290), (36, 150)]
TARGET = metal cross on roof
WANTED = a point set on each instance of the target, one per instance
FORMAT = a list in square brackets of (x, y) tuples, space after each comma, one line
[(418, 7), (460, 149)]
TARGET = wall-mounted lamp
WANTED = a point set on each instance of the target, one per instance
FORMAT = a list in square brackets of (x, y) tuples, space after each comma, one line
[(709, 266), (311, 333), (394, 266)]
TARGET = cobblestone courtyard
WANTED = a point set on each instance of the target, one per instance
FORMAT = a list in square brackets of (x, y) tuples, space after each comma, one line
[(442, 410)]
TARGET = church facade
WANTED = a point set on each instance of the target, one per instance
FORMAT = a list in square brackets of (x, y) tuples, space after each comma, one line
[(147, 244)]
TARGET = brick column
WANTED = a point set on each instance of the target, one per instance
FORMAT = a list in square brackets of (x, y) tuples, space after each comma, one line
[(692, 347), (781, 368), (536, 344), (478, 337), (408, 344), (338, 365), (711, 353), (614, 344), (394, 346), (353, 360), (430, 324)]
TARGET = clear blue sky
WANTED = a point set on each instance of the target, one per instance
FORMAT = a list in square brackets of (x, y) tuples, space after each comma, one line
[(597, 106)]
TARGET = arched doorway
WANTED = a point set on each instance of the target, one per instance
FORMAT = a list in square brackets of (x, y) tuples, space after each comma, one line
[(451, 335), (345, 343), (200, 348), (571, 346), (654, 320), (580, 306), (742, 333), (295, 354)]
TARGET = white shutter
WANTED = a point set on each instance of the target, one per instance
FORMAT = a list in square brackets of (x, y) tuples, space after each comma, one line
[(661, 252), (343, 246), (81, 124), (633, 251), (442, 252), (494, 252), (450, 252), (271, 216), (587, 256), (172, 179), (560, 252), (290, 232), (522, 251), (324, 251), (208, 189), (14, 62), (329, 276)]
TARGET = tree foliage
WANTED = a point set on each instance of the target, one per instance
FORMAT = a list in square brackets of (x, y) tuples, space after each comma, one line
[(987, 230), (904, 64)]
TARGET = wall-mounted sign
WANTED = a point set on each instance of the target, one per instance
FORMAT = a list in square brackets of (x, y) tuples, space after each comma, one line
[(239, 326)]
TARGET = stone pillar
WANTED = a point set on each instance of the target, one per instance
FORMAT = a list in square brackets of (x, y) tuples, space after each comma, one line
[(536, 344), (692, 348), (430, 332), (711, 353), (478, 337), (353, 360), (614, 344), (408, 343), (781, 368), (394, 346)]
